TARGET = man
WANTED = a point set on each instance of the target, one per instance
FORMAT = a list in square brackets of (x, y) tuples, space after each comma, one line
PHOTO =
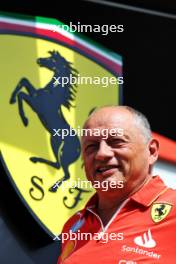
[(133, 224)]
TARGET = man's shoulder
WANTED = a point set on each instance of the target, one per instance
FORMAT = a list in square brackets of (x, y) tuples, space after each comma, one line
[(167, 201), (169, 195)]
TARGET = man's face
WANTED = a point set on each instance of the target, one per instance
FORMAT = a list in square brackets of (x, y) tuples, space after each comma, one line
[(126, 157)]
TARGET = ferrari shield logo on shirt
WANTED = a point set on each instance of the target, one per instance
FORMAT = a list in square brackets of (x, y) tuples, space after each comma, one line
[(159, 211), (51, 80)]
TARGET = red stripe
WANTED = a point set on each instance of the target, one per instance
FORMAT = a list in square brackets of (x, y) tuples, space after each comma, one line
[(167, 150), (115, 67)]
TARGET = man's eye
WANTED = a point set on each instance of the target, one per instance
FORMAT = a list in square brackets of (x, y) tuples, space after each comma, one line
[(90, 148), (116, 142)]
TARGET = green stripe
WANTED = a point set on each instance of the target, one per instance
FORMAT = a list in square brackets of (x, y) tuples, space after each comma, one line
[(56, 23), (78, 35)]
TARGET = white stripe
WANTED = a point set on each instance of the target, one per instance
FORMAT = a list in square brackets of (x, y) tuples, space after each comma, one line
[(62, 32), (116, 213), (112, 218), (102, 227)]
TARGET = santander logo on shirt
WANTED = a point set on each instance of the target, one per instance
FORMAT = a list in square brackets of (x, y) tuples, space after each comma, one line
[(145, 240)]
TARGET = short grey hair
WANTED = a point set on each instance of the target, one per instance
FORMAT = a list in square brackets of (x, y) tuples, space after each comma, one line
[(140, 119)]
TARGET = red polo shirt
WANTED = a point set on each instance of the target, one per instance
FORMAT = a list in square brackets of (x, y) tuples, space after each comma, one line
[(142, 230)]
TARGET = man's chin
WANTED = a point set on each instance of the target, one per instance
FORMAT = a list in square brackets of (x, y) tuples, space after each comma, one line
[(115, 177)]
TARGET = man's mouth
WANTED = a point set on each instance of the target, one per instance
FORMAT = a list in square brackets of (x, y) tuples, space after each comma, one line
[(109, 169)]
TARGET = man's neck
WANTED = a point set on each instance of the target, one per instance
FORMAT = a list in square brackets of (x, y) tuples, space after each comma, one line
[(109, 203), (106, 211)]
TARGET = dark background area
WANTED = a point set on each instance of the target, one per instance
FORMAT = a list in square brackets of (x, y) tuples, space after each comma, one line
[(148, 49)]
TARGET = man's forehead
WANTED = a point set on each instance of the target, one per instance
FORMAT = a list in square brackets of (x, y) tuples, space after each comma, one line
[(92, 137)]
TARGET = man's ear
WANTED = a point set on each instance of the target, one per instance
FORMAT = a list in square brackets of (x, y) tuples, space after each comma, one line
[(154, 150)]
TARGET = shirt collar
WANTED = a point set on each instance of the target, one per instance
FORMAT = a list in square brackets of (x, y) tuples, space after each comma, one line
[(145, 196), (149, 191)]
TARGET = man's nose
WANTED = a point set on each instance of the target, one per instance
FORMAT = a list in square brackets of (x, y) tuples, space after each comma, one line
[(104, 151)]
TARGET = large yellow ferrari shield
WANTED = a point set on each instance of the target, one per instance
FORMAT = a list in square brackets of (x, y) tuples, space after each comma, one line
[(50, 82)]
